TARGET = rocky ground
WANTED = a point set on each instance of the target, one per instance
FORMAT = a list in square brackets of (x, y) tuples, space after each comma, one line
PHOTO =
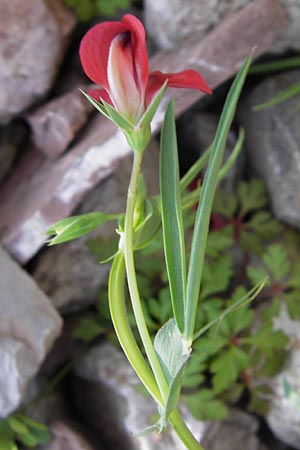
[(58, 157)]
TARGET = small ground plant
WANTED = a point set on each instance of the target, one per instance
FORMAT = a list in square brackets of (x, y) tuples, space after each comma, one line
[(114, 56), (236, 358)]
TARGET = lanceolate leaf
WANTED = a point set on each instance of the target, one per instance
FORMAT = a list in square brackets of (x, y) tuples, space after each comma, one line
[(151, 110), (173, 356), (76, 226), (117, 118), (173, 233), (206, 201), (99, 106)]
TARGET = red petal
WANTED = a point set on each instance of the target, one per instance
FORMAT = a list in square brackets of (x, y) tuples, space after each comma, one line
[(123, 89), (100, 94), (138, 38), (94, 49), (188, 79)]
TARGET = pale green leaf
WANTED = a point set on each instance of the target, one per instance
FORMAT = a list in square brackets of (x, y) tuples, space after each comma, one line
[(173, 356), (152, 108), (206, 202), (76, 226), (173, 232)]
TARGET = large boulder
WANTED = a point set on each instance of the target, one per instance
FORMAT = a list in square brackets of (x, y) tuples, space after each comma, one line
[(33, 40), (171, 22), (28, 327), (273, 144)]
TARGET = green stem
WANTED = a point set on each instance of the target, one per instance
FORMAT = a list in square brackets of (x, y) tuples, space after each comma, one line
[(118, 312), (132, 281), (128, 343), (183, 432), (156, 386)]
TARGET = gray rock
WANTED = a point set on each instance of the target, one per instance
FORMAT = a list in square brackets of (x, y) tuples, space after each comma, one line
[(236, 432), (284, 413), (67, 437), (69, 273), (28, 327), (43, 404), (40, 193), (56, 124), (33, 40), (273, 144), (108, 397), (171, 22)]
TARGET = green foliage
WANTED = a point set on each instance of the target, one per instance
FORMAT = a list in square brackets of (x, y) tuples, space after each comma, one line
[(246, 212), (233, 356), (86, 10), (284, 282), (76, 226), (173, 355), (204, 405), (18, 428)]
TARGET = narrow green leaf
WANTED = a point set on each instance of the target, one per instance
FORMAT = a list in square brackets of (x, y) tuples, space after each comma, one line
[(192, 197), (150, 225), (151, 110), (173, 232), (234, 154), (274, 66), (117, 118), (110, 113), (99, 106), (173, 356), (77, 226), (282, 96), (195, 169), (119, 316), (251, 295), (206, 201)]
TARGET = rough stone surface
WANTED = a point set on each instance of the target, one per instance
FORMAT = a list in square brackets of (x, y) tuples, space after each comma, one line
[(28, 327), (39, 193), (55, 125), (273, 144), (284, 414), (69, 273), (45, 192), (31, 32), (235, 433), (171, 22), (66, 437), (107, 397)]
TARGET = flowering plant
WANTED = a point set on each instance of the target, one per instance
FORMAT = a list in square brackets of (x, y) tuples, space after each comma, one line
[(114, 56)]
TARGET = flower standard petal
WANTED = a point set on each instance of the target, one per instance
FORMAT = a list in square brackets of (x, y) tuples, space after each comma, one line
[(94, 50), (139, 49), (123, 89)]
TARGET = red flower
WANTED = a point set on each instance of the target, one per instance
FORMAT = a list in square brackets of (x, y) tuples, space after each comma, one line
[(114, 56)]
